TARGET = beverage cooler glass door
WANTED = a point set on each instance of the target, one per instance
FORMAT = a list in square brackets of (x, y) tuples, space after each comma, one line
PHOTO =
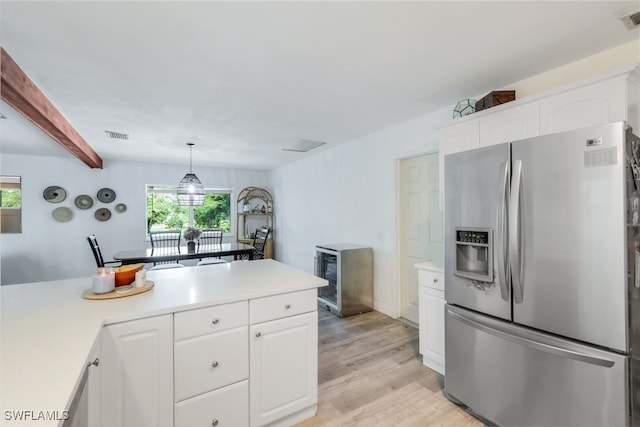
[(327, 268), (475, 209), (569, 234)]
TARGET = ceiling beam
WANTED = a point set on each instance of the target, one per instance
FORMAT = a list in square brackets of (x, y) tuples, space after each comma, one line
[(17, 90)]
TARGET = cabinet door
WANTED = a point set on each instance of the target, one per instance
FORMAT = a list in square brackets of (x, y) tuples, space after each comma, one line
[(137, 373), (587, 106), (454, 139), (85, 406), (509, 125), (283, 372), (432, 328)]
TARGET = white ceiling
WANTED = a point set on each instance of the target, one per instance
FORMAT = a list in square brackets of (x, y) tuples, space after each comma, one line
[(242, 80)]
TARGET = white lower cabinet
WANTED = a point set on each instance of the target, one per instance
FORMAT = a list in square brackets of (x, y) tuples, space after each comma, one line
[(431, 321), (224, 407), (283, 368), (248, 363), (136, 366)]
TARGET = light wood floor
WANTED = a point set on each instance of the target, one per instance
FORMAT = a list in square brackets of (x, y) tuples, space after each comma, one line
[(371, 374)]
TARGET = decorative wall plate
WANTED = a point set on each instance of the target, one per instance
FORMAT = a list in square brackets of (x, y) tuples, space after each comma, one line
[(103, 214), (83, 201), (62, 214), (106, 195), (121, 207), (54, 194)]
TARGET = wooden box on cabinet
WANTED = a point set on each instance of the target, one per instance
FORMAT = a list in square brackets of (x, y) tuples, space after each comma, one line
[(494, 98)]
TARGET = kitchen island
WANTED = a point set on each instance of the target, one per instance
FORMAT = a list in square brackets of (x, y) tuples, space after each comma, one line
[(50, 334)]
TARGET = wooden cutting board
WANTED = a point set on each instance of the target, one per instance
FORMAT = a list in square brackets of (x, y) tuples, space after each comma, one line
[(126, 292)]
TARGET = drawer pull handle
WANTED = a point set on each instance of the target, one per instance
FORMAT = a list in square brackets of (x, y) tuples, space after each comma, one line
[(215, 321), (287, 306), (258, 334), (435, 280), (214, 422), (215, 364), (96, 362)]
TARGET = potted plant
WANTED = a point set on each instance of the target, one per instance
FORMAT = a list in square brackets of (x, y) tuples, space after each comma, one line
[(190, 234)]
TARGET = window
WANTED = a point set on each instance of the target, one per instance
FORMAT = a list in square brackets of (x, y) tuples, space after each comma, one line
[(11, 204), (164, 213)]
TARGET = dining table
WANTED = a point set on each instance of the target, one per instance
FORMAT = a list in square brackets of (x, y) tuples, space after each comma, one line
[(148, 255)]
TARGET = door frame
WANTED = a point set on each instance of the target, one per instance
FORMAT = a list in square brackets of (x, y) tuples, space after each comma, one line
[(397, 295)]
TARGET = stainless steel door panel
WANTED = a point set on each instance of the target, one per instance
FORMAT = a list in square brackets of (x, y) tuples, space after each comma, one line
[(572, 235), (514, 376), (474, 198)]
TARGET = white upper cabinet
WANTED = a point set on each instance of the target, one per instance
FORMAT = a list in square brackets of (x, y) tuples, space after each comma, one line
[(609, 98), (509, 125), (453, 139), (592, 105)]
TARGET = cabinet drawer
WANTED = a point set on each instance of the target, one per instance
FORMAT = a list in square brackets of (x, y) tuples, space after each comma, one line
[(193, 323), (284, 305), (205, 363), (226, 407), (431, 279)]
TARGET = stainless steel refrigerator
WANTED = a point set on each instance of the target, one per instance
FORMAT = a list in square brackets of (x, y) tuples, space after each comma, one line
[(541, 279)]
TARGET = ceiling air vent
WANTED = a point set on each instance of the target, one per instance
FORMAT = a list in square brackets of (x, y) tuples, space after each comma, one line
[(116, 135), (632, 21), (304, 145)]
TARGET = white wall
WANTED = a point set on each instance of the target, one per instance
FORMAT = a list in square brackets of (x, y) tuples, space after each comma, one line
[(49, 250), (349, 193)]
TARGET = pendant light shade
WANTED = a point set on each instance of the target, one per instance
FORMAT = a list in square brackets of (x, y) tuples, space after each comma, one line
[(190, 189)]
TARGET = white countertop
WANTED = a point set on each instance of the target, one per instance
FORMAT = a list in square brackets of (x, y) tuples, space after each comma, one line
[(47, 329), (430, 265)]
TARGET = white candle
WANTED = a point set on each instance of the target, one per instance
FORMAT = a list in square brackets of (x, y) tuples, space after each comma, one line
[(141, 278), (104, 280)]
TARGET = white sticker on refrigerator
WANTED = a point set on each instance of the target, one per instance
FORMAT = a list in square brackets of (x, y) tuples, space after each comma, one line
[(598, 158)]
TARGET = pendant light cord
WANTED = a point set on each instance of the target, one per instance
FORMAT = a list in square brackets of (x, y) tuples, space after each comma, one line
[(190, 144)]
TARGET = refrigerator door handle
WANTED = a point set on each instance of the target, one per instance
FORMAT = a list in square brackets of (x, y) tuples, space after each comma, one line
[(501, 224), (541, 346), (515, 252)]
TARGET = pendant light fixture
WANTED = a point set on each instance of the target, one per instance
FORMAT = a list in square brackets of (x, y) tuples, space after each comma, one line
[(190, 189)]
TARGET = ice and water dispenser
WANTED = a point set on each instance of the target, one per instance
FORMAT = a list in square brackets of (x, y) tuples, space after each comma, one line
[(474, 254)]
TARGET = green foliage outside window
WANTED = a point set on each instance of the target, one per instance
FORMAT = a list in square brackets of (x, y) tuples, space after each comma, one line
[(163, 212), (10, 198)]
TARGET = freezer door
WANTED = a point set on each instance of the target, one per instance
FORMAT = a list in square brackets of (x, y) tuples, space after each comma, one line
[(476, 197), (516, 377), (567, 223)]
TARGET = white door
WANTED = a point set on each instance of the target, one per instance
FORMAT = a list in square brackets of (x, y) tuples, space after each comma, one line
[(420, 225)]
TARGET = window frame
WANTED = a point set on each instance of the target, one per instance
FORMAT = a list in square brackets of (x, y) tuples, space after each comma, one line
[(172, 189)]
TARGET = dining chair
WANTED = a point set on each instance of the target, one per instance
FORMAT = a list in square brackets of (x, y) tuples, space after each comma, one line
[(260, 241), (97, 253), (165, 242), (210, 237)]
